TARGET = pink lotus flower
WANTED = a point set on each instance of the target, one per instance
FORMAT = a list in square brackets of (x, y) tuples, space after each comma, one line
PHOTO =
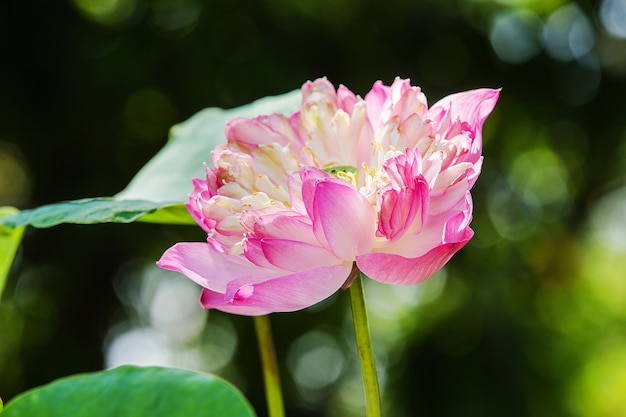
[(294, 202)]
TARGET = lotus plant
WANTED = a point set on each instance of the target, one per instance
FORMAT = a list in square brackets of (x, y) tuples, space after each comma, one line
[(297, 206)]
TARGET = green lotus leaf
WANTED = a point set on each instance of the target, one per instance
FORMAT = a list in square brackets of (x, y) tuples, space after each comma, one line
[(131, 391)]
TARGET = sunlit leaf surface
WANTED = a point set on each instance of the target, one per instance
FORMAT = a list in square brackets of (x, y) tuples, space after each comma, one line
[(130, 391), (100, 210)]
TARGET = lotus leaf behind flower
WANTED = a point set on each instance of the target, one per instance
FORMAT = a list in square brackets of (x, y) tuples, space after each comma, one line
[(293, 203)]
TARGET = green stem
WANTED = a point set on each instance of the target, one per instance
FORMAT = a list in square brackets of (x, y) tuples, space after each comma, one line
[(364, 346), (273, 394)]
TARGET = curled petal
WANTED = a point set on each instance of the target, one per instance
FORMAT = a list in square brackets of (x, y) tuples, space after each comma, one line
[(439, 229), (446, 199), (472, 173), (274, 128), (398, 89), (216, 300), (457, 225), (375, 100), (400, 208), (452, 175), (403, 169), (203, 190), (395, 269), (471, 107), (414, 132), (198, 200), (346, 99), (282, 294), (405, 202), (319, 105), (208, 267), (412, 102), (319, 89)]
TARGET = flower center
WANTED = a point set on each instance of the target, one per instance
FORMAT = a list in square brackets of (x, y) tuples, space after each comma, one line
[(336, 171)]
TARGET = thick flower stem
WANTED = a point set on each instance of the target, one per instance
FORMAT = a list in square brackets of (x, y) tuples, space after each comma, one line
[(364, 346), (273, 393)]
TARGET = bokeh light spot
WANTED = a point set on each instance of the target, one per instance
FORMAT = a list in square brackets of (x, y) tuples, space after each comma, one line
[(315, 361), (175, 17), (567, 33), (539, 176), (514, 217), (166, 324), (394, 312), (599, 391), (514, 35), (351, 399), (15, 182), (219, 343), (112, 13), (613, 17), (173, 309), (608, 220), (137, 346)]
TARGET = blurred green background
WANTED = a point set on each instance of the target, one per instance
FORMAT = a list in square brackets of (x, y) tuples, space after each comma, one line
[(528, 320)]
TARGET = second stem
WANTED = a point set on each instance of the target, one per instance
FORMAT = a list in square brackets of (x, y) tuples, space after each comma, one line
[(273, 393)]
